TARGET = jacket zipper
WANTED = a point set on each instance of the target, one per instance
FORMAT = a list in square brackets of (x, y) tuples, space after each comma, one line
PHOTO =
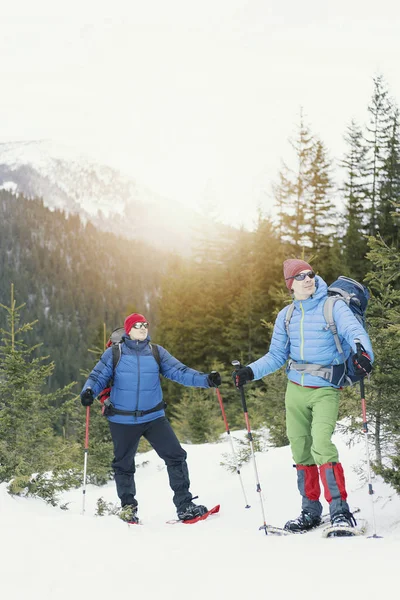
[(138, 382), (302, 339)]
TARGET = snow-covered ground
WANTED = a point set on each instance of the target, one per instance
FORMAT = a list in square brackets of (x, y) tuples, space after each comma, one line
[(50, 554)]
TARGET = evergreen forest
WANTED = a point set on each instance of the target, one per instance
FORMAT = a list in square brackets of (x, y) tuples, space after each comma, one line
[(64, 286)]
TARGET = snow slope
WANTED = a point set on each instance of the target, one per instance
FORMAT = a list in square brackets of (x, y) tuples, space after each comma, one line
[(47, 553)]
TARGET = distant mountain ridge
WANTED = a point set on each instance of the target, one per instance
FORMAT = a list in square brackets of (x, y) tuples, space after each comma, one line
[(69, 181), (71, 281)]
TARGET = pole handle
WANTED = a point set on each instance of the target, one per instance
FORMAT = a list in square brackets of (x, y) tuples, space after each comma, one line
[(362, 385), (237, 366)]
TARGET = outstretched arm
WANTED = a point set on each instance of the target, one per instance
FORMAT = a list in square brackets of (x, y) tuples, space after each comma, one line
[(173, 369), (278, 351)]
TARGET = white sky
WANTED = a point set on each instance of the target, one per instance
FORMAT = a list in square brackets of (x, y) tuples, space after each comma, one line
[(195, 99)]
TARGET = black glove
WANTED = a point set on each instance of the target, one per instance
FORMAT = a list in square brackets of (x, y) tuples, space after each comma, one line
[(362, 364), (214, 379), (242, 376), (87, 397)]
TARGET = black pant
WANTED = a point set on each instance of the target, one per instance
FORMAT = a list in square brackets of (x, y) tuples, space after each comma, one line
[(162, 438)]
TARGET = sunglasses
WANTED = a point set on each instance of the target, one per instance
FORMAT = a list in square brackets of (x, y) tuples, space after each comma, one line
[(302, 276), (141, 326)]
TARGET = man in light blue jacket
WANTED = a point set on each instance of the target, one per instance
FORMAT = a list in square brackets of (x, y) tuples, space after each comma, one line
[(312, 401), (138, 410)]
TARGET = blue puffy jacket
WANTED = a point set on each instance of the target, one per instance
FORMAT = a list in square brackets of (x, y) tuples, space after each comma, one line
[(310, 341), (136, 379)]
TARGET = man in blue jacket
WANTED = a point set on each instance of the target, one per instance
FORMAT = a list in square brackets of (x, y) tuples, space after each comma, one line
[(312, 402), (136, 397)]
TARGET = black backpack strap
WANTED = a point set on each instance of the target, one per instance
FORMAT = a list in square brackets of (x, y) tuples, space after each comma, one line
[(156, 354), (116, 355)]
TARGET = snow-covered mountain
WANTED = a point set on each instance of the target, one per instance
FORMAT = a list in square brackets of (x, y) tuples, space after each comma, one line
[(109, 199), (52, 554)]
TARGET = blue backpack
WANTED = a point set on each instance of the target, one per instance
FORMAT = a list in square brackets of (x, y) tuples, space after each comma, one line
[(356, 296)]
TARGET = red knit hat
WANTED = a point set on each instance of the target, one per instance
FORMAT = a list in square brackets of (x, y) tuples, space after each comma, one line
[(292, 267), (132, 319)]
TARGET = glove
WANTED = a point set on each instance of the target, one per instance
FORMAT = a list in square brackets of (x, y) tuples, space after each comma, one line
[(214, 379), (362, 364), (87, 397), (242, 376)]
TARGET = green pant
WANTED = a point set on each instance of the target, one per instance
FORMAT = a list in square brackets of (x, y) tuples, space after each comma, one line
[(311, 415)]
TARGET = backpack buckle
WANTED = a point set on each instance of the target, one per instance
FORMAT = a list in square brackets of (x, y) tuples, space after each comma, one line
[(107, 409), (138, 413)]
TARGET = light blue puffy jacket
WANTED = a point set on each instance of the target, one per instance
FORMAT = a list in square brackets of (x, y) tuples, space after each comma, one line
[(136, 379), (310, 340)]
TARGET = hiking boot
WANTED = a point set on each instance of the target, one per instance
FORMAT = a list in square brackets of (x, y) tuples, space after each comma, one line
[(344, 520), (304, 522), (128, 513), (191, 511)]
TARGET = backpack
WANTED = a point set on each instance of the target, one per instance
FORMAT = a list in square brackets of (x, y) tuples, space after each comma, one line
[(356, 296), (115, 341)]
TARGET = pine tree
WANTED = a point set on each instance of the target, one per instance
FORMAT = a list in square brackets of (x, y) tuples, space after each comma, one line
[(254, 269), (240, 331), (384, 318), (28, 441), (266, 406), (355, 192), (377, 142), (389, 191), (319, 211), (290, 193), (197, 418)]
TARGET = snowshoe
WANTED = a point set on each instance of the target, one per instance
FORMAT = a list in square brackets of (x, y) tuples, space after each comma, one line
[(191, 511), (128, 513), (342, 525), (304, 522)]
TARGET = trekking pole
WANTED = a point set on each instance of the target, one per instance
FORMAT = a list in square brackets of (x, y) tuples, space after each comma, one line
[(237, 366), (232, 447), (85, 460), (365, 432)]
